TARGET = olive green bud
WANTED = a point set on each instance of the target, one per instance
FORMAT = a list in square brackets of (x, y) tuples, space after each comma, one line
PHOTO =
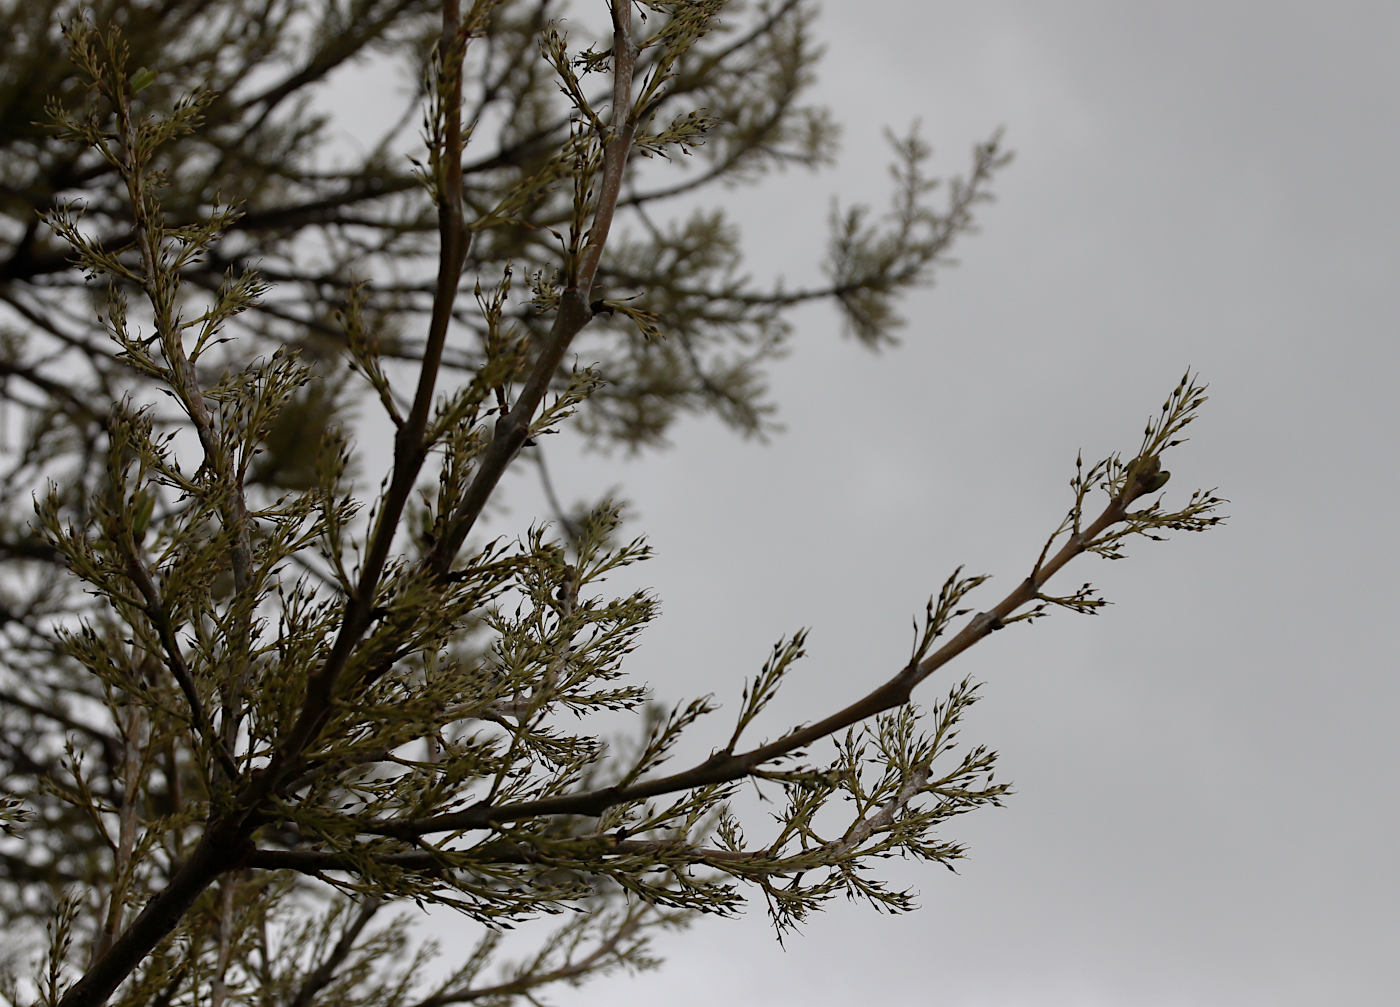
[(141, 515), (142, 79)]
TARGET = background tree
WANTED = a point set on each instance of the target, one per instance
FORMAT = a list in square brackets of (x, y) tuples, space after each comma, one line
[(242, 716)]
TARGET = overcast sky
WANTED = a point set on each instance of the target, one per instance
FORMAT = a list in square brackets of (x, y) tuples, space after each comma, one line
[(1206, 774)]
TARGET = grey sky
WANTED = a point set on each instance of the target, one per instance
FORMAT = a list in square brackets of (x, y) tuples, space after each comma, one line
[(1207, 772)]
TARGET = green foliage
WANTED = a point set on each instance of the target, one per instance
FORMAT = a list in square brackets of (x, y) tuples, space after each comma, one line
[(246, 706)]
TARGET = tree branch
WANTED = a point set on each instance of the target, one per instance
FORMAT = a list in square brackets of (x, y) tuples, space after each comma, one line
[(409, 450), (727, 766), (512, 429)]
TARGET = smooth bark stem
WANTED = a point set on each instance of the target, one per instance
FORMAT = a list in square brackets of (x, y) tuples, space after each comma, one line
[(512, 430), (725, 767), (216, 852)]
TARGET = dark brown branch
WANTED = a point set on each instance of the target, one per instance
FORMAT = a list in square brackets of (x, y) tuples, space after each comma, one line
[(217, 851), (593, 848), (727, 766)]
